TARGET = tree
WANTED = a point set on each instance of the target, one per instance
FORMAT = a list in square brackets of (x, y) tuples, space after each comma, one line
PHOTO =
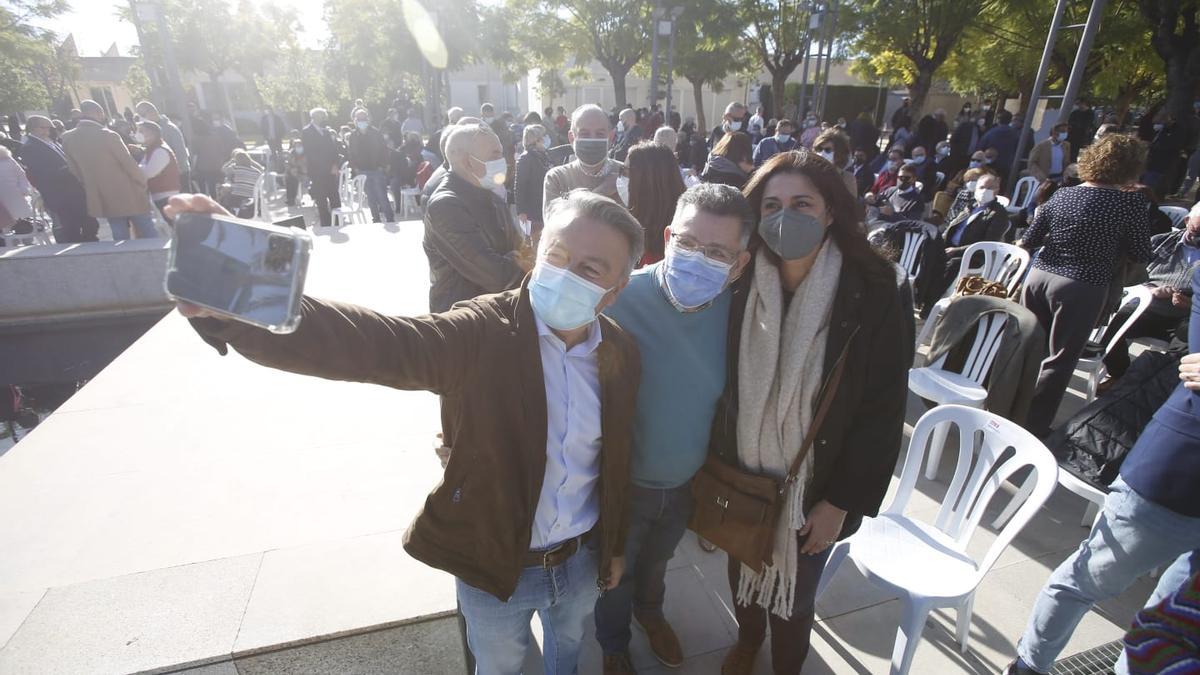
[(1176, 38), (27, 54), (616, 33), (137, 83), (777, 32), (708, 48), (922, 32), (296, 83)]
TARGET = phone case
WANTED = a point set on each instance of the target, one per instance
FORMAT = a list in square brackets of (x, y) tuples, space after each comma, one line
[(285, 262)]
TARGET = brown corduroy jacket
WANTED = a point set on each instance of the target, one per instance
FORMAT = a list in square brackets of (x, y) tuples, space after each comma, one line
[(484, 358)]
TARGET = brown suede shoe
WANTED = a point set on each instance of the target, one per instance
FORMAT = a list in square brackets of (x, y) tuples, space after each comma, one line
[(618, 664), (740, 659), (663, 641)]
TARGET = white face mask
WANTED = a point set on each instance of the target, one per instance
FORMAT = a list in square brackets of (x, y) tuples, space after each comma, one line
[(827, 155), (620, 127), (623, 189), (783, 138), (943, 152), (493, 174), (546, 142), (1061, 136), (918, 159), (984, 195), (734, 126), (139, 138)]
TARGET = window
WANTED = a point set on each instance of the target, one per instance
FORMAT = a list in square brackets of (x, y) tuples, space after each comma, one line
[(104, 96)]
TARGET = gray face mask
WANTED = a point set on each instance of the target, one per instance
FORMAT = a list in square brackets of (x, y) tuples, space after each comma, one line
[(791, 234), (591, 151)]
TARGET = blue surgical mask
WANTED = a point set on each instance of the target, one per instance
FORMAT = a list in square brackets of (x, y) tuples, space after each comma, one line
[(791, 234), (562, 299), (975, 164), (918, 159), (691, 279), (1062, 136), (362, 126), (783, 138), (734, 126)]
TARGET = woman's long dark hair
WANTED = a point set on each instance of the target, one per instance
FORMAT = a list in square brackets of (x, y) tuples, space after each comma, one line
[(654, 186), (846, 229)]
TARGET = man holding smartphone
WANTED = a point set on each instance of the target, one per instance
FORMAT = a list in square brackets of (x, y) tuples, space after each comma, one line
[(538, 393), (1176, 255)]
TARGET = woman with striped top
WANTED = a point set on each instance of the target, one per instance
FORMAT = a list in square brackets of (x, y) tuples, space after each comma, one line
[(243, 173)]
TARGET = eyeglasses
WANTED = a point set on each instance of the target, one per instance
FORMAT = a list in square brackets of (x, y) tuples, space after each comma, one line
[(718, 253)]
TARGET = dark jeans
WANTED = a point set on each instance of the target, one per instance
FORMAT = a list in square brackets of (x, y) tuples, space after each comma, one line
[(324, 193), (73, 225), (1148, 325), (657, 522), (291, 185), (1067, 310), (789, 637), (207, 182)]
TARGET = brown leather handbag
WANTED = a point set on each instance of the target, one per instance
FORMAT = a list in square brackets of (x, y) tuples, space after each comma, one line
[(977, 285), (737, 510)]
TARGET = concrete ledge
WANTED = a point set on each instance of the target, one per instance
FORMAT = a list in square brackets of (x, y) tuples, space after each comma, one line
[(76, 280)]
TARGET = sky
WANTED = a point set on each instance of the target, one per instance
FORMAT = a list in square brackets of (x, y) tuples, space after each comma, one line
[(96, 26)]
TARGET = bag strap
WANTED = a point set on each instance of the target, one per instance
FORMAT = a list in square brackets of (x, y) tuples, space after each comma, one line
[(830, 391)]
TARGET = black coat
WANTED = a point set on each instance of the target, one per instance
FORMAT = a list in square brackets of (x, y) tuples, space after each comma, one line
[(991, 225), (856, 448), (320, 151), (47, 171), (532, 166)]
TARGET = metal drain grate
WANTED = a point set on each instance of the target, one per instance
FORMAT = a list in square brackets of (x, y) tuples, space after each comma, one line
[(1097, 661)]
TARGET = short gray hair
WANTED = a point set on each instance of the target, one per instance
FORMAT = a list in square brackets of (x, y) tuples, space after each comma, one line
[(454, 114), (312, 114), (461, 138), (667, 136), (581, 203), (534, 133), (583, 110), (719, 200)]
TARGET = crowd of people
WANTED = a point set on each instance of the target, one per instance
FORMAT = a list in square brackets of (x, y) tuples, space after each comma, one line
[(636, 296), (618, 298)]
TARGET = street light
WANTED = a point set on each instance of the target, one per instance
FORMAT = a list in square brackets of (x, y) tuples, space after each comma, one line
[(670, 25)]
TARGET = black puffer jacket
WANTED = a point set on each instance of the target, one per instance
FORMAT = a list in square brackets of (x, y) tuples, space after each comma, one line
[(1093, 443)]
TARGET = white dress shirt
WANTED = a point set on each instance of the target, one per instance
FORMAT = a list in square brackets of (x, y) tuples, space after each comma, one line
[(569, 504)]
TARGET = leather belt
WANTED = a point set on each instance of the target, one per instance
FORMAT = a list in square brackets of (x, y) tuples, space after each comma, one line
[(553, 557)]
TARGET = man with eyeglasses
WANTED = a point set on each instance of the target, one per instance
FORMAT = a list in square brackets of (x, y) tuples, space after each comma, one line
[(677, 311), (62, 193)]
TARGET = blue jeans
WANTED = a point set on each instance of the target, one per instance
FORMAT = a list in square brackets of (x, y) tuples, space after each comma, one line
[(142, 223), (377, 197), (657, 522), (1132, 537), (498, 632)]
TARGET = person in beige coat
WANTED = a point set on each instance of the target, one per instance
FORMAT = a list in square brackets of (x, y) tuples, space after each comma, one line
[(1050, 158), (115, 185)]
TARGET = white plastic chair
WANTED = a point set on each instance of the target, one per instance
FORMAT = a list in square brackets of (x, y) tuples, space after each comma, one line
[(927, 564), (1022, 194), (409, 202), (1000, 262), (344, 177), (1139, 296), (353, 206), (1002, 201), (1177, 214), (910, 255), (941, 179), (935, 383)]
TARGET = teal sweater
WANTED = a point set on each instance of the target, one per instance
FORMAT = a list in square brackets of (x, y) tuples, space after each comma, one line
[(683, 375)]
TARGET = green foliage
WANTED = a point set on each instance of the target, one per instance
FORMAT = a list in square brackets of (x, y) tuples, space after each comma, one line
[(29, 67), (909, 40), (138, 83), (297, 84)]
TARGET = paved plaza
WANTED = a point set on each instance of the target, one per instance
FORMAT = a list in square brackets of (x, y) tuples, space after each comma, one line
[(187, 512)]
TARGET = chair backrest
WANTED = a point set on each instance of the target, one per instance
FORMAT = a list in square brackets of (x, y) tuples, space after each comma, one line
[(990, 450), (989, 331), (344, 174), (1024, 191), (995, 261), (1139, 297), (358, 191), (910, 255), (941, 179), (1177, 214), (260, 195), (1002, 200)]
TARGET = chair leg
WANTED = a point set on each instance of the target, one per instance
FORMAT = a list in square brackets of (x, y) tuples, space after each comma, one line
[(963, 626), (908, 635), (936, 444), (836, 556), (1017, 500)]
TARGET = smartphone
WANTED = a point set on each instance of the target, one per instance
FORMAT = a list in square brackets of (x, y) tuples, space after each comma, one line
[(244, 270)]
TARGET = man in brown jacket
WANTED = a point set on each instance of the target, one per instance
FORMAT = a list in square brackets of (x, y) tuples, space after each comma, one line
[(1050, 158), (115, 185), (538, 395)]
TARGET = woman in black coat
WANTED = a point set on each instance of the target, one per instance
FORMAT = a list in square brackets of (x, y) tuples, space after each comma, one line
[(532, 166), (816, 282)]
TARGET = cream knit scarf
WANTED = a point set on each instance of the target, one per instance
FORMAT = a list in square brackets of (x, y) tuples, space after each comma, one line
[(780, 367)]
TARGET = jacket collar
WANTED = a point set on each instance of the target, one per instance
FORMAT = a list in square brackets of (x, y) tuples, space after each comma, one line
[(467, 189)]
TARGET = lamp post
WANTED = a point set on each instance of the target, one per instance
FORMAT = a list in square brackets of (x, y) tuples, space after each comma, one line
[(670, 26), (656, 15), (151, 10)]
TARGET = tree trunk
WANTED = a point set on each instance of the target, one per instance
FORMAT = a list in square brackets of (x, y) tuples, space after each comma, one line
[(698, 99), (618, 78), (918, 91), (779, 93)]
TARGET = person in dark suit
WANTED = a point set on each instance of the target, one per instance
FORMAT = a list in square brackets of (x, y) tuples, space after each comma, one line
[(48, 171), (988, 221), (274, 129), (323, 160)]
